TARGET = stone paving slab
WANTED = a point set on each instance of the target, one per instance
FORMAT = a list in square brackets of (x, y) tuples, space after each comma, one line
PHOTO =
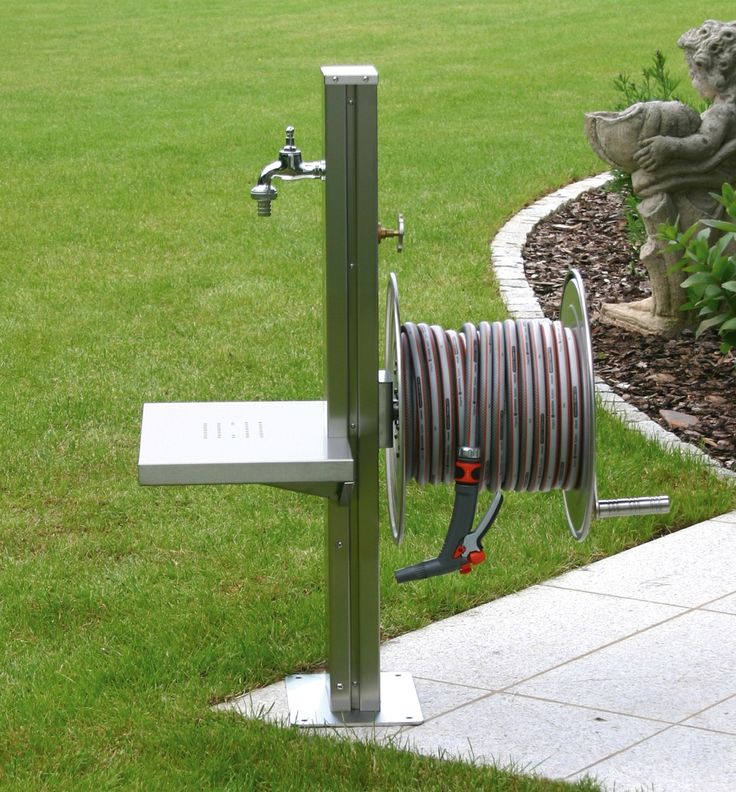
[(663, 571), (502, 646), (667, 672), (536, 737), (723, 605), (720, 717), (686, 761)]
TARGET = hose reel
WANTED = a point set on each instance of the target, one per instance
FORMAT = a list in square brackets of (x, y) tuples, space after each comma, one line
[(503, 406)]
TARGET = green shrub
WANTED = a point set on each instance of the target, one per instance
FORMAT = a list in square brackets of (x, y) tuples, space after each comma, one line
[(711, 268), (657, 84)]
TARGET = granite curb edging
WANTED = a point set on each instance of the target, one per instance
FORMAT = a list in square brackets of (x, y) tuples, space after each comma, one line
[(507, 263)]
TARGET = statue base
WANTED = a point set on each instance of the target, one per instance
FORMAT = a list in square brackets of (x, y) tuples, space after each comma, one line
[(638, 317)]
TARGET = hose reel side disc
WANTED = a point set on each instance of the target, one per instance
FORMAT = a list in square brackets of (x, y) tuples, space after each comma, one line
[(580, 500), (395, 459)]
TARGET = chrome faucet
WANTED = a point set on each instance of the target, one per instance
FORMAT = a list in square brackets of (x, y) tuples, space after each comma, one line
[(289, 167)]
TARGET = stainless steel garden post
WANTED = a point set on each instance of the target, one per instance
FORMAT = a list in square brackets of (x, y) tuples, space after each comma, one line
[(351, 326)]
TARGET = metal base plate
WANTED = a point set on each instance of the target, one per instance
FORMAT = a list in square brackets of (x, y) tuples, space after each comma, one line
[(309, 703)]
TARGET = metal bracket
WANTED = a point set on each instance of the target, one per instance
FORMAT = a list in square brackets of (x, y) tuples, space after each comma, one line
[(346, 493)]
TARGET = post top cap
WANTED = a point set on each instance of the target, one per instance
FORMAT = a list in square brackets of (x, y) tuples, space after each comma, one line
[(350, 75)]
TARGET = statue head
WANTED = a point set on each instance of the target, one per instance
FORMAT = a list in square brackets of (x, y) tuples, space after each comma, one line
[(710, 52)]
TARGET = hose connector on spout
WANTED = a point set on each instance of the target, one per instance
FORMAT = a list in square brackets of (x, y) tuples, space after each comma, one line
[(264, 194)]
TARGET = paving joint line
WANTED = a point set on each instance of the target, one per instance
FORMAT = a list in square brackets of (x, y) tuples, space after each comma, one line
[(487, 695), (623, 596), (681, 723), (605, 710), (618, 753), (705, 709), (507, 689), (489, 691)]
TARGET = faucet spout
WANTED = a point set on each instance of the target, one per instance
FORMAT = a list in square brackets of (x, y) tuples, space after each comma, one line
[(288, 167), (269, 172)]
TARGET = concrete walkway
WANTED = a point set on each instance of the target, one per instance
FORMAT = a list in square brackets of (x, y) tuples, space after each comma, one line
[(624, 670)]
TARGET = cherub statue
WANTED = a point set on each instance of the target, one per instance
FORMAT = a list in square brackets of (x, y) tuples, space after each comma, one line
[(676, 158)]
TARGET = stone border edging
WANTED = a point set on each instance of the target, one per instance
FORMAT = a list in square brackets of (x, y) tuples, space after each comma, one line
[(518, 297)]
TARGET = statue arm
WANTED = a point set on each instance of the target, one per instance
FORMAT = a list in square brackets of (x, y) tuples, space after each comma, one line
[(717, 126)]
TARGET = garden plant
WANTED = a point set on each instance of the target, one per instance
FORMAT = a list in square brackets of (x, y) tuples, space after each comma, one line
[(711, 268)]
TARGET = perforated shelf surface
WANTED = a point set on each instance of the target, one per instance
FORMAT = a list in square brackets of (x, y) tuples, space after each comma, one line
[(240, 443)]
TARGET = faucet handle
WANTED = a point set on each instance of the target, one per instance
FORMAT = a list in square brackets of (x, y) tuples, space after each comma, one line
[(398, 232), (290, 155)]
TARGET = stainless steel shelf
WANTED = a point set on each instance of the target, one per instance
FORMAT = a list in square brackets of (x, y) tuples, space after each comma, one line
[(241, 443)]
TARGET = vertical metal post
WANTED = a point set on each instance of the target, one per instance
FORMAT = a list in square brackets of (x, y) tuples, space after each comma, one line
[(354, 691), (351, 324)]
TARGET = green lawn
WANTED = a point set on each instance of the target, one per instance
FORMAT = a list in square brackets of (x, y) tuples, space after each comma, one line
[(133, 268)]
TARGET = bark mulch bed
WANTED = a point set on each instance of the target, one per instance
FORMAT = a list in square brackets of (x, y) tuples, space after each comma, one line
[(684, 375)]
